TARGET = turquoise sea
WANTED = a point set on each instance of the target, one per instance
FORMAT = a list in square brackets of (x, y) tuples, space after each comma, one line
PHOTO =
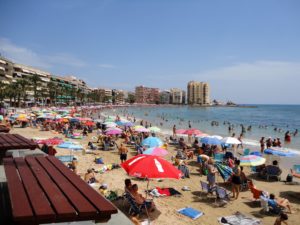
[(265, 120)]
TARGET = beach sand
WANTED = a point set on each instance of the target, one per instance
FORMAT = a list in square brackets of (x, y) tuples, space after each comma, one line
[(167, 206)]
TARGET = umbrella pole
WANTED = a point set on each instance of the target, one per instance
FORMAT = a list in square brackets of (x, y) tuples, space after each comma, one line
[(147, 187)]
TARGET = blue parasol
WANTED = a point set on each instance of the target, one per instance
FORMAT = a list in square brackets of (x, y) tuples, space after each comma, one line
[(225, 171)]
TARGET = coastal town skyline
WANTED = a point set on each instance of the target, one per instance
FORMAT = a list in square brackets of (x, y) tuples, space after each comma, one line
[(120, 45)]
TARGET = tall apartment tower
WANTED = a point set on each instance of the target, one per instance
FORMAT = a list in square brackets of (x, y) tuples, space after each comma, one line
[(198, 93)]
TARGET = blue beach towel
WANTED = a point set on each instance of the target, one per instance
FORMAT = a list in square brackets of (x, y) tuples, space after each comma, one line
[(65, 158), (190, 212)]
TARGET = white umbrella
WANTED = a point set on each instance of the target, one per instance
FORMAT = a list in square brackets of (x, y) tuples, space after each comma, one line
[(231, 141), (217, 136)]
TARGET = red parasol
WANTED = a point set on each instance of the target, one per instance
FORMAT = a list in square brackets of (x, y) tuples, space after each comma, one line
[(180, 131), (89, 123), (193, 131), (149, 166)]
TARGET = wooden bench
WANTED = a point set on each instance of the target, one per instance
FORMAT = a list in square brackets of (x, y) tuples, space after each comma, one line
[(44, 190)]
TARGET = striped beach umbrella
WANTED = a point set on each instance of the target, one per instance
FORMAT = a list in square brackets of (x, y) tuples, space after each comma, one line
[(252, 160)]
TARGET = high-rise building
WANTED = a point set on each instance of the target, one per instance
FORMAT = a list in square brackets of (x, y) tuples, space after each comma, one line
[(198, 93), (146, 95), (117, 97), (165, 97), (177, 96)]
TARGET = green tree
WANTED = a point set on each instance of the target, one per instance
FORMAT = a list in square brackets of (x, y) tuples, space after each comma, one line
[(131, 98), (2, 90), (11, 92), (52, 92), (22, 86)]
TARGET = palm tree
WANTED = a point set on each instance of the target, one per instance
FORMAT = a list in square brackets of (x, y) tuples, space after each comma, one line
[(2, 90), (35, 81), (22, 87), (11, 91), (53, 91)]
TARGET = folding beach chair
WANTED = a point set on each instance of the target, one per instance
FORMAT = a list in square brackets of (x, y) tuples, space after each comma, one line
[(222, 194), (134, 208), (273, 171), (206, 189)]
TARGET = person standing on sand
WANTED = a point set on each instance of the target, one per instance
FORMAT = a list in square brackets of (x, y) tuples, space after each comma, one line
[(190, 126), (211, 175), (262, 144), (123, 153), (236, 179), (174, 131)]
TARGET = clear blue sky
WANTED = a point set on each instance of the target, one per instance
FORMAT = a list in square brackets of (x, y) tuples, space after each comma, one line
[(249, 51)]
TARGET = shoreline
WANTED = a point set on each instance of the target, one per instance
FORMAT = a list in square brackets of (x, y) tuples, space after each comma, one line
[(286, 162)]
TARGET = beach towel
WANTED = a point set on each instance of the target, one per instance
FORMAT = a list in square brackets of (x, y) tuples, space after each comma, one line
[(167, 191), (65, 158), (190, 212), (239, 219)]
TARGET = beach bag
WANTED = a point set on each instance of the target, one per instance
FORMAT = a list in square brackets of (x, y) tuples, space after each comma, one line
[(99, 160), (289, 178)]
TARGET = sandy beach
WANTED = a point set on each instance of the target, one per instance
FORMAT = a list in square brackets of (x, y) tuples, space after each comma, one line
[(167, 206)]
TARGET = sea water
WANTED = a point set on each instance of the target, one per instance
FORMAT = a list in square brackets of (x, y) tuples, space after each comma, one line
[(265, 120)]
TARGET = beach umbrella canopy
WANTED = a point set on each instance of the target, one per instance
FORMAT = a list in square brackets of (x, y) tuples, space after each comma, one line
[(149, 166), (278, 152), (180, 131), (89, 123), (156, 151), (113, 132), (154, 129), (128, 124), (110, 124), (202, 135), (225, 171), (109, 119), (137, 127), (231, 141), (141, 130), (256, 153), (192, 131), (210, 140), (252, 160), (152, 142), (217, 136), (113, 128)]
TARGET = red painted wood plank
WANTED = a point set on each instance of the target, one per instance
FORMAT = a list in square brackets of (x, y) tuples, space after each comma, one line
[(10, 140), (40, 204), (28, 142), (82, 205), (21, 208), (59, 202), (102, 204)]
